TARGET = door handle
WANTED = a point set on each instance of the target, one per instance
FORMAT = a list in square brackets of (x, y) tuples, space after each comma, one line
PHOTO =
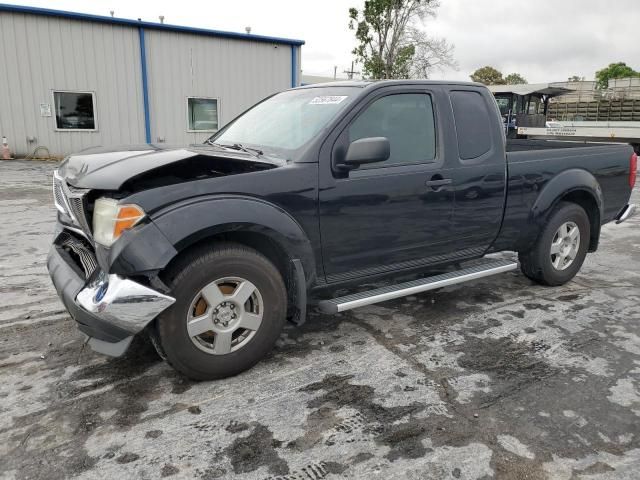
[(438, 183)]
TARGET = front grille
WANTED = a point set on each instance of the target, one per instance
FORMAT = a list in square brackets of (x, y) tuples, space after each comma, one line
[(58, 194), (76, 205), (71, 202), (80, 251)]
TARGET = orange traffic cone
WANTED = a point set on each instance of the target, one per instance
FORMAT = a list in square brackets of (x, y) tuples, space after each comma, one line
[(6, 153)]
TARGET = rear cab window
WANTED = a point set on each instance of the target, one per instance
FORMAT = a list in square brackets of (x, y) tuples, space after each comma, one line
[(472, 122)]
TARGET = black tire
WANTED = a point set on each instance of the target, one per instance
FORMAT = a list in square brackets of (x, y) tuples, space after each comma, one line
[(190, 275), (537, 264)]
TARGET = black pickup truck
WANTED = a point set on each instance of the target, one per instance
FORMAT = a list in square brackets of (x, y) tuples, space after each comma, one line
[(209, 248)]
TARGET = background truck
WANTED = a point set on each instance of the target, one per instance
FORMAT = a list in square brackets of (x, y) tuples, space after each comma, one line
[(524, 105), (558, 112), (209, 248)]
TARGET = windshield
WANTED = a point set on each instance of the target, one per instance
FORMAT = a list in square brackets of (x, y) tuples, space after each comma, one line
[(504, 104), (284, 123)]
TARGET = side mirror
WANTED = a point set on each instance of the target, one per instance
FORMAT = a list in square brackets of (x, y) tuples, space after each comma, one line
[(367, 150)]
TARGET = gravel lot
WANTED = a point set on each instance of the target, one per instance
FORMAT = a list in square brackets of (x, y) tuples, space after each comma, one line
[(499, 378)]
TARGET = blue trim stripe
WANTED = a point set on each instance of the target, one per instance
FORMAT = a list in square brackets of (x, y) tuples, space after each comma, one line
[(4, 7), (145, 86), (294, 66)]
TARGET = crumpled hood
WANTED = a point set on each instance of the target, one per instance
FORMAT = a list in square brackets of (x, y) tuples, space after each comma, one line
[(109, 168)]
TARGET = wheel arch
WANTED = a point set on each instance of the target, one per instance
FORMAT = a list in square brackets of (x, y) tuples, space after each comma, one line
[(252, 222), (259, 241), (587, 201), (576, 186)]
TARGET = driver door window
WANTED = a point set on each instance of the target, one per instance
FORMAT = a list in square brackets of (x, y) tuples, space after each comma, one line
[(406, 120)]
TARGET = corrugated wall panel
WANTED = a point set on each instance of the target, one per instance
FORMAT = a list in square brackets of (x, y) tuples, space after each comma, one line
[(42, 54), (238, 73)]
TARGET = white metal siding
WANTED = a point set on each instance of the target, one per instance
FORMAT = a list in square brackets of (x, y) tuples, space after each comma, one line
[(41, 54), (236, 72)]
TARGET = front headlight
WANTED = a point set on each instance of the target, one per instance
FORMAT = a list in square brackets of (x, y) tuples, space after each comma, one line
[(110, 219)]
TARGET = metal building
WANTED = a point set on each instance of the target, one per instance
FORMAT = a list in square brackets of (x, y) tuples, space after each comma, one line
[(69, 80)]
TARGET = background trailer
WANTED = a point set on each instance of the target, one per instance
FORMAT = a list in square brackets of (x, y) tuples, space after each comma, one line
[(69, 80)]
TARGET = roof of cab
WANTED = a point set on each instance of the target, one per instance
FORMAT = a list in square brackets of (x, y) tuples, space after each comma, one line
[(376, 83)]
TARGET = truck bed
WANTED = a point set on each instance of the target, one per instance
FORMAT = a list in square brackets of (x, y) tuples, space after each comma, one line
[(532, 164)]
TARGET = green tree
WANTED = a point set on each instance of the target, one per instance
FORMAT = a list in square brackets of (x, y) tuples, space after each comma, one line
[(614, 70), (515, 79), (488, 75), (575, 78), (391, 43)]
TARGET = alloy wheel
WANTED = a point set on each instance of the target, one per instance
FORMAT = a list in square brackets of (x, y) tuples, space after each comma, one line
[(565, 246), (225, 315)]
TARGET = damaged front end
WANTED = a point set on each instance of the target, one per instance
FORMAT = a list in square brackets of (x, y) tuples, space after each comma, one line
[(109, 309), (198, 167), (107, 251), (152, 165)]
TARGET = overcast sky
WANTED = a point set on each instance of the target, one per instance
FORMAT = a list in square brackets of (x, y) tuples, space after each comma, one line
[(544, 40)]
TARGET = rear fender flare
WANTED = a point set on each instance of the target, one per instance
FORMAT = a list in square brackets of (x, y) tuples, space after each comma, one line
[(565, 182)]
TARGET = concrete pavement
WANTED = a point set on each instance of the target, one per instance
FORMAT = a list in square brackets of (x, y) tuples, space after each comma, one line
[(499, 378)]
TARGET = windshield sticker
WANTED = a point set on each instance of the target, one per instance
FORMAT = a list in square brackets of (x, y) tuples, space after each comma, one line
[(327, 100)]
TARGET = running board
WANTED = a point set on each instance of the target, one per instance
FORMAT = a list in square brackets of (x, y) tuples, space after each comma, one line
[(483, 268)]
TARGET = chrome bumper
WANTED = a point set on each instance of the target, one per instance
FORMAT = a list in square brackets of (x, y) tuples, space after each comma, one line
[(122, 302), (109, 309), (627, 212)]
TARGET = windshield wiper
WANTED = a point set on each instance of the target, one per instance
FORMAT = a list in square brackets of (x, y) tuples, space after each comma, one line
[(242, 148), (256, 152), (208, 141)]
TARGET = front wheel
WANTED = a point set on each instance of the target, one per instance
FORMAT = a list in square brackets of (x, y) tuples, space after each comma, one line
[(561, 248), (230, 309)]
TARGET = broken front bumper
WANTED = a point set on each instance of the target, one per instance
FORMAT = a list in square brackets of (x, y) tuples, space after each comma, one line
[(109, 309)]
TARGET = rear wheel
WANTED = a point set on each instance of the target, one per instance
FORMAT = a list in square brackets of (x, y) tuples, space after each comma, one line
[(230, 309), (561, 247)]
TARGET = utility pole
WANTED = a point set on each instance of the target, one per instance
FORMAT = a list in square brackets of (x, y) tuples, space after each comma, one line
[(335, 72), (351, 73)]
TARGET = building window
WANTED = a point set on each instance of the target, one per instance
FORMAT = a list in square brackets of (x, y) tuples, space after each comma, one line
[(202, 114), (75, 110)]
